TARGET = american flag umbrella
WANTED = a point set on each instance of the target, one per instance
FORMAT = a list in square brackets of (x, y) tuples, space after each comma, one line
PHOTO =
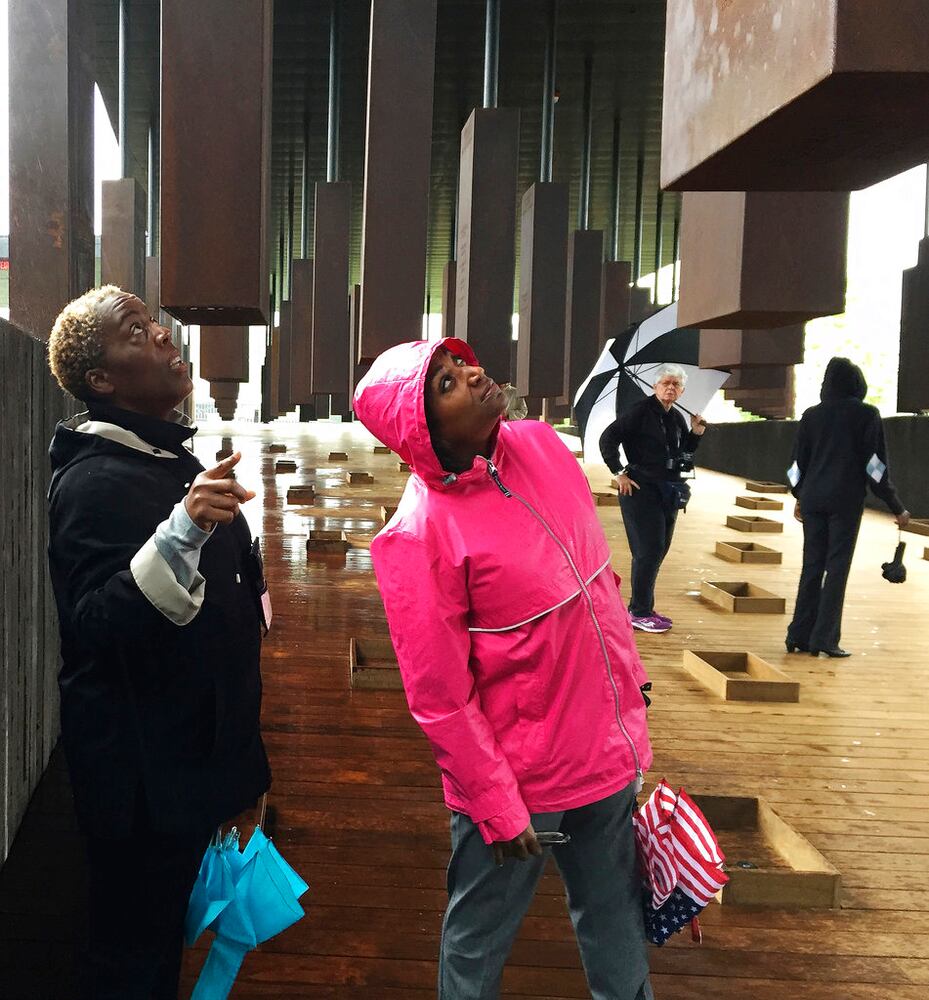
[(680, 859), (625, 373)]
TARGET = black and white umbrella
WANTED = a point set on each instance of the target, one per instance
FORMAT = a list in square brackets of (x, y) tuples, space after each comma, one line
[(625, 373)]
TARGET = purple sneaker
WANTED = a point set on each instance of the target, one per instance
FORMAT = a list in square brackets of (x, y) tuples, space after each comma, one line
[(663, 618), (650, 623)]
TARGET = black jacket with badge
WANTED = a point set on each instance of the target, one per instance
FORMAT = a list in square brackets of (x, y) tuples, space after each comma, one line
[(839, 450), (149, 702), (651, 438)]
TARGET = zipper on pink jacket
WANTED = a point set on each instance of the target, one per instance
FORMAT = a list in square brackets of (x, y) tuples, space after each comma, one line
[(495, 476)]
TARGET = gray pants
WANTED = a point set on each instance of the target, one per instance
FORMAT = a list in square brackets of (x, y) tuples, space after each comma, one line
[(486, 904)]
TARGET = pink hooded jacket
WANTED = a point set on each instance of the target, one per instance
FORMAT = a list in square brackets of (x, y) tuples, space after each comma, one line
[(515, 648)]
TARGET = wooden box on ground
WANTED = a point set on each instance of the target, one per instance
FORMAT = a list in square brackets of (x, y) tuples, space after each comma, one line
[(360, 478), (759, 503), (324, 542), (925, 553), (918, 525), (747, 552), (768, 862), (760, 486), (381, 449), (305, 494), (606, 499), (746, 522), (387, 512), (285, 465), (740, 676), (740, 597), (277, 449), (338, 456), (403, 467), (224, 453), (373, 665)]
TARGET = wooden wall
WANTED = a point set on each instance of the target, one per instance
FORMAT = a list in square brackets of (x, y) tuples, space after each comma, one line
[(30, 405)]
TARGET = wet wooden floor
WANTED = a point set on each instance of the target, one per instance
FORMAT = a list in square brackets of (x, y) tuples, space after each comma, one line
[(356, 804)]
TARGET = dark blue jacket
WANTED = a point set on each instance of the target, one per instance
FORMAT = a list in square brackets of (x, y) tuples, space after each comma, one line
[(147, 704)]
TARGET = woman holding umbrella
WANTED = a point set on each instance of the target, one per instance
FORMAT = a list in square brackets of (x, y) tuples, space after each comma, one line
[(659, 446), (518, 663)]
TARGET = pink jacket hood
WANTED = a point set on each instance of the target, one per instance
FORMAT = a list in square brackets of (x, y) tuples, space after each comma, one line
[(390, 402), (514, 646)]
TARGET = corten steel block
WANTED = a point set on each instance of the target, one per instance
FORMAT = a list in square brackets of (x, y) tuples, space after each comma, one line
[(301, 331), (728, 349), (542, 276), (153, 286), (224, 353), (339, 404), (766, 377), (912, 384), (449, 281), (582, 307), (275, 378), (356, 368), (215, 147), (285, 466), (640, 304), (331, 328), (122, 242), (225, 396), (793, 95), (486, 245), (51, 158), (285, 403), (615, 299), (761, 260), (398, 148)]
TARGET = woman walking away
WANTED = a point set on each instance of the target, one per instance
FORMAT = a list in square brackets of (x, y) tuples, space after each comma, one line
[(839, 450), (519, 664)]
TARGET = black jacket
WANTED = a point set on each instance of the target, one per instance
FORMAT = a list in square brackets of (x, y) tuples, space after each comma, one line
[(147, 704), (650, 435), (839, 450)]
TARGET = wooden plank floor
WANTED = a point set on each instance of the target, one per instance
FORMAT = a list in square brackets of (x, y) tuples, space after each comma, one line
[(356, 803)]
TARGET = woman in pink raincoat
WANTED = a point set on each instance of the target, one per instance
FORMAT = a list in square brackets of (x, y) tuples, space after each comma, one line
[(519, 664)]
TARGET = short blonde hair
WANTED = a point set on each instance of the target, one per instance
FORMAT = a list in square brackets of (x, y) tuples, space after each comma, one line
[(76, 342)]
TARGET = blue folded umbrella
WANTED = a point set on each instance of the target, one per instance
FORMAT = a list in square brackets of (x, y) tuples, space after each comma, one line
[(244, 897)]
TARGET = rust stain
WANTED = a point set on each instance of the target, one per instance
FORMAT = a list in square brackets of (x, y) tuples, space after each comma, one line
[(56, 229)]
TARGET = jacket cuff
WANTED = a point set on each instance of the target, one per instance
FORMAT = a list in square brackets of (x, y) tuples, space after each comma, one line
[(157, 581), (505, 825)]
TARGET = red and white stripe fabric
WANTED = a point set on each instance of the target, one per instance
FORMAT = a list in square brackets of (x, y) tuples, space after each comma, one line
[(677, 848)]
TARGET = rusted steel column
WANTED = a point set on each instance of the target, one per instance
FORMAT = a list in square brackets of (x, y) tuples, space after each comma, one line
[(582, 307), (301, 327), (449, 283), (615, 296), (762, 259), (122, 243), (332, 240), (215, 143), (285, 400), (486, 236), (542, 273), (51, 158), (736, 349), (912, 384), (397, 155), (809, 96)]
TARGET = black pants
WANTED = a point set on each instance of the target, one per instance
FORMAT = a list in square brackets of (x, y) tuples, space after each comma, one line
[(828, 546), (649, 528), (139, 889)]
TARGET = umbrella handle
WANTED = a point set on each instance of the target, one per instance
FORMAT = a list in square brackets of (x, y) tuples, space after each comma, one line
[(219, 970), (261, 816)]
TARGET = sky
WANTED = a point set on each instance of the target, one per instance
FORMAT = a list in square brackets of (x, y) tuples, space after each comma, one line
[(886, 225)]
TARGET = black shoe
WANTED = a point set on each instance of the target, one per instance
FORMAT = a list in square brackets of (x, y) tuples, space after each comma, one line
[(795, 647), (835, 654)]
